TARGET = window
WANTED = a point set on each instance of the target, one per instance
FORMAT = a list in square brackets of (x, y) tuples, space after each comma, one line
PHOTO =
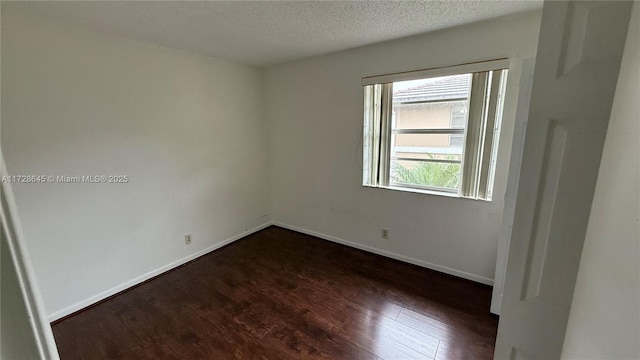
[(434, 130)]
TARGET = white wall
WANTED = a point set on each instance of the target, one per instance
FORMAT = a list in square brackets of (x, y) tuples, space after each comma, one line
[(605, 314), (314, 110), (188, 130)]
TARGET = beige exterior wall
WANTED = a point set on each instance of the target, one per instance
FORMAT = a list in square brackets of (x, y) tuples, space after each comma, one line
[(423, 116), (418, 116)]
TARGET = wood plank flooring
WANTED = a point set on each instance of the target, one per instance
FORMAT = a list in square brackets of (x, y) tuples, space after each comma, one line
[(278, 294)]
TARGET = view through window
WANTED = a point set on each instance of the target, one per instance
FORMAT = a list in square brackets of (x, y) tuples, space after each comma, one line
[(428, 123)]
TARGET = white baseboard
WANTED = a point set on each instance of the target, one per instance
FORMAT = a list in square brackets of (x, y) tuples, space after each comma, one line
[(425, 264), (133, 282)]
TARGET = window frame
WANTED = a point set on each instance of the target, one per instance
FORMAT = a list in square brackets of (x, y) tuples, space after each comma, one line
[(479, 151)]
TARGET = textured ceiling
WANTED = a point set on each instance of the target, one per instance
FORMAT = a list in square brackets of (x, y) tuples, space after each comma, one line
[(264, 33)]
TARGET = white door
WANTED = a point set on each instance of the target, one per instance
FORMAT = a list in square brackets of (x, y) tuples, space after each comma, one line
[(577, 66), (26, 333)]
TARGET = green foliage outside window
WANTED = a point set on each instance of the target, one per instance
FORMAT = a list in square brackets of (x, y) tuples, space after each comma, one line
[(429, 174)]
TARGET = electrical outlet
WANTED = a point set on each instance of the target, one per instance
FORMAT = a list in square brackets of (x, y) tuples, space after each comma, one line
[(187, 239), (385, 233)]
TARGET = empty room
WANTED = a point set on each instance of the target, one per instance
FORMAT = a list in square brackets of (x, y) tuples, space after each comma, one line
[(320, 180)]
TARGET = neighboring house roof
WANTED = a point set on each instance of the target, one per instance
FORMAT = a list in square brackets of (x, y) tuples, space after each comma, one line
[(443, 88)]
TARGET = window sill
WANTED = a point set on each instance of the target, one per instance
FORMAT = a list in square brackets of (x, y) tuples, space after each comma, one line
[(424, 191)]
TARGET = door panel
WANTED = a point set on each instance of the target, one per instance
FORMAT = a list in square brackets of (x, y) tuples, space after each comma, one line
[(541, 260)]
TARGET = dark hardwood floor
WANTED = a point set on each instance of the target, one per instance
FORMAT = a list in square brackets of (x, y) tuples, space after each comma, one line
[(278, 294)]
